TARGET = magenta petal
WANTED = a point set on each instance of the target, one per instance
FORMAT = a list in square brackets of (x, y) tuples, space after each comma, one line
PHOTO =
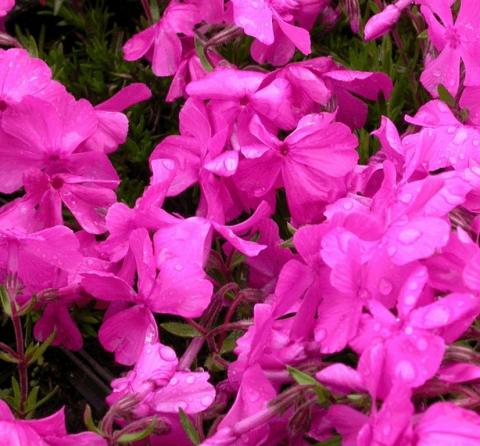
[(341, 379), (255, 18), (446, 424), (127, 97), (189, 391), (139, 44), (124, 333), (108, 287)]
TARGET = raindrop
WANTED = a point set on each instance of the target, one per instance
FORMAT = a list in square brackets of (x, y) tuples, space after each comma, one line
[(409, 236), (406, 198), (321, 334), (460, 137), (190, 379), (168, 354), (207, 400), (385, 287), (405, 370)]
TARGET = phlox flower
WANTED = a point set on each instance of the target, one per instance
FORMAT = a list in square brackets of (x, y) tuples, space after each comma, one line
[(160, 388), (49, 431), (274, 24), (160, 42), (320, 83), (455, 41), (311, 163)]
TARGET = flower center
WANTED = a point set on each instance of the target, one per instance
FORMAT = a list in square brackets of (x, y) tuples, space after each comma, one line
[(452, 37)]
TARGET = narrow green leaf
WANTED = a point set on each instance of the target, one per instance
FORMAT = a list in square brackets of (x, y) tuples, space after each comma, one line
[(137, 436), (88, 420), (5, 301), (200, 50), (189, 428), (7, 358), (181, 330), (37, 354), (57, 4), (335, 441), (301, 377), (445, 95)]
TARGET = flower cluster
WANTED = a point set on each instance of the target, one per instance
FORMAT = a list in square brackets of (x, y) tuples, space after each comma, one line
[(359, 327)]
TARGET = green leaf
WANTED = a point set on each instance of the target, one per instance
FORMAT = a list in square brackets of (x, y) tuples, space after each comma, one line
[(445, 96), (88, 420), (32, 399), (57, 4), (37, 354), (5, 301), (181, 330), (137, 436), (200, 50), (189, 428), (302, 378), (305, 379), (335, 441), (7, 358)]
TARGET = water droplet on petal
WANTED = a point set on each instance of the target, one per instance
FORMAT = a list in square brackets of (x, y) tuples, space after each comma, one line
[(442, 107), (476, 142), (179, 267), (207, 400), (406, 198), (451, 130), (438, 315), (253, 396), (347, 205), (168, 164), (409, 236), (385, 287), (168, 354), (408, 330), (392, 250), (460, 137), (422, 344), (405, 370), (174, 381), (410, 299), (320, 335), (230, 164), (182, 405), (190, 379)]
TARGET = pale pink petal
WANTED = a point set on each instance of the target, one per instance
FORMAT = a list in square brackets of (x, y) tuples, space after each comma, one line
[(189, 391)]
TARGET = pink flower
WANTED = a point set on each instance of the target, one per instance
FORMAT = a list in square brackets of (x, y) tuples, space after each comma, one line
[(311, 163), (272, 24), (456, 41), (444, 424), (160, 43), (49, 431), (381, 23)]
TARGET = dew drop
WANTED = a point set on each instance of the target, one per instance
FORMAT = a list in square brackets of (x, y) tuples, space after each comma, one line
[(168, 354), (207, 400), (392, 250), (347, 205), (179, 267), (385, 287), (174, 381), (321, 334), (405, 370), (230, 164), (406, 198), (438, 316), (460, 137), (409, 236), (182, 405), (168, 164), (190, 379), (408, 330), (451, 130), (422, 344)]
